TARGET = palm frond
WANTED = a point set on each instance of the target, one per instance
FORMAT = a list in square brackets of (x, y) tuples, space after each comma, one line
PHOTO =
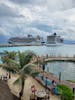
[(25, 57), (11, 66), (21, 57), (4, 59), (29, 70), (10, 55), (34, 74), (28, 66), (18, 81), (28, 52)]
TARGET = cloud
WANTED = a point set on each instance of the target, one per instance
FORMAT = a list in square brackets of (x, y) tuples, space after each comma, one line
[(22, 17), (52, 5), (35, 2), (3, 32), (6, 11)]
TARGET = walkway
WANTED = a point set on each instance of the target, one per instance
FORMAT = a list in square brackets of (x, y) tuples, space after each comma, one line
[(27, 89), (51, 76), (56, 58)]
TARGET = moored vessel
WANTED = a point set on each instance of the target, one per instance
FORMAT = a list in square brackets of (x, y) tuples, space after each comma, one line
[(54, 40)]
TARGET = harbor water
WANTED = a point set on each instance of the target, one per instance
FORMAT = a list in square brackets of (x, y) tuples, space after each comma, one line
[(67, 69)]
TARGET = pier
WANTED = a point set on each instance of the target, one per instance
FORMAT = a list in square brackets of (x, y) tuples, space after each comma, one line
[(56, 58), (67, 59), (17, 45)]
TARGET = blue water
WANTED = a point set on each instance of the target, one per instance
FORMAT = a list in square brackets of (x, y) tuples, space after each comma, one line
[(63, 50), (67, 69), (0, 62)]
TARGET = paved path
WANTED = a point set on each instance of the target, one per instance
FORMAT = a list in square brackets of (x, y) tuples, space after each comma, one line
[(52, 77), (27, 89)]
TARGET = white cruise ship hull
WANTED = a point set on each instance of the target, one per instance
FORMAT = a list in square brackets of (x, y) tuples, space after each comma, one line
[(56, 44)]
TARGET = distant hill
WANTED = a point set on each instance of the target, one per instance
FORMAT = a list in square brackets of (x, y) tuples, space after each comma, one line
[(69, 41)]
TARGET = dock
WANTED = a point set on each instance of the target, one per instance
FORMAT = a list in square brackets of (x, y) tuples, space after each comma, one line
[(56, 58), (17, 45), (67, 59)]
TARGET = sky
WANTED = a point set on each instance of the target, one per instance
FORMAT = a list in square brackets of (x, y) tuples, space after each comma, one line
[(37, 17)]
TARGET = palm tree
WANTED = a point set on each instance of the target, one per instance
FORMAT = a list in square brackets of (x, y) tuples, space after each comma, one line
[(26, 69), (8, 60), (23, 67), (23, 74), (8, 54)]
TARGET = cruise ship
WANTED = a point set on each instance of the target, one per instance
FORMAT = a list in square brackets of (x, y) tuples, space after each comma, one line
[(26, 40), (54, 40)]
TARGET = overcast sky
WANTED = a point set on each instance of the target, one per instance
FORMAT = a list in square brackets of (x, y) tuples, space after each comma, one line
[(21, 17)]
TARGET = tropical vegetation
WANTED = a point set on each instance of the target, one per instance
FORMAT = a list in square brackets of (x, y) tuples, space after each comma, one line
[(65, 92), (20, 63)]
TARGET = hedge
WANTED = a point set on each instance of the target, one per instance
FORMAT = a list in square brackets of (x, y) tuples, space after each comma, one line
[(65, 92)]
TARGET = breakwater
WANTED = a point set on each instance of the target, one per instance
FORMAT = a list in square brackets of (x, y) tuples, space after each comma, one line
[(16, 45)]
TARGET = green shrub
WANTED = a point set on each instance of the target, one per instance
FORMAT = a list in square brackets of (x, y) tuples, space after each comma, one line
[(65, 92)]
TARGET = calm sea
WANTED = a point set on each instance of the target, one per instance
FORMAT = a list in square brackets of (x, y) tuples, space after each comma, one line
[(67, 69)]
